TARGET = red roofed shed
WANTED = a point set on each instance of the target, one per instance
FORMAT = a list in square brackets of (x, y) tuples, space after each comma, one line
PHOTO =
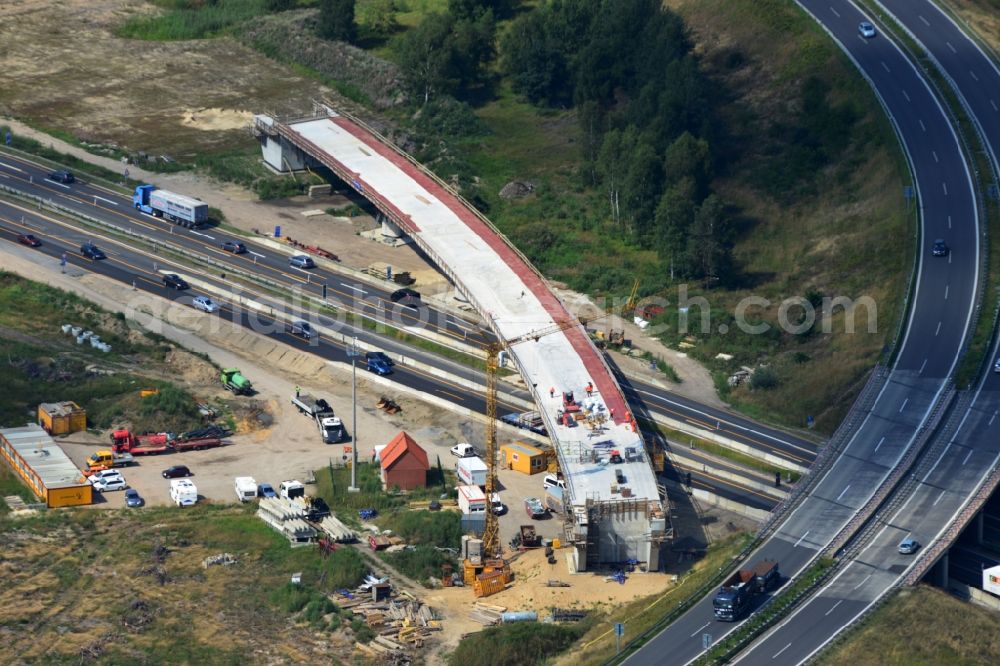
[(404, 464)]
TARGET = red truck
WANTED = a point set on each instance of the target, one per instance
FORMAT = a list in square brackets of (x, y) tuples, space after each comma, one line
[(123, 441)]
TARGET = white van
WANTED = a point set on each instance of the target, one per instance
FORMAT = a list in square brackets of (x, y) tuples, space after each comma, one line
[(246, 488), (291, 490), (553, 481), (183, 492)]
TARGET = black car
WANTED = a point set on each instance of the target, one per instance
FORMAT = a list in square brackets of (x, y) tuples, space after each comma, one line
[(64, 177), (176, 472), (91, 251), (174, 281), (234, 246), (406, 297), (940, 248), (379, 356)]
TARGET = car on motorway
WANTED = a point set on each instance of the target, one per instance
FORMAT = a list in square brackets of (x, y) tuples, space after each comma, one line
[(908, 546), (234, 246), (381, 356), (996, 365), (64, 177), (939, 248), (301, 261), (108, 480), (133, 498), (302, 329), (407, 297), (866, 29), (175, 281), (266, 490), (175, 472), (29, 240), (204, 303), (91, 251)]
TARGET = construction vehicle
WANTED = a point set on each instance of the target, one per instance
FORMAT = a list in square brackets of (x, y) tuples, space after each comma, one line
[(104, 459), (331, 428), (123, 441), (185, 211), (313, 407), (234, 380), (732, 601)]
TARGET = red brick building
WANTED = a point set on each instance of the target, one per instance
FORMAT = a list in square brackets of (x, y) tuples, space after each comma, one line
[(404, 464)]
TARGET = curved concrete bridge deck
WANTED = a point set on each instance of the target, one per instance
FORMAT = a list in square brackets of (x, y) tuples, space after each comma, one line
[(618, 510)]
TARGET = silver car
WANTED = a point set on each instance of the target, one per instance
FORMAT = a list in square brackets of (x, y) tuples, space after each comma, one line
[(301, 261), (908, 546), (866, 30), (204, 303)]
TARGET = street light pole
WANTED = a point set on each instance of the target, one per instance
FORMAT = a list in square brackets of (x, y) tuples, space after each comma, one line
[(353, 353)]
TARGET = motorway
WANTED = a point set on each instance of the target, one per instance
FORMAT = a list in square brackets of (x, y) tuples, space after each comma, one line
[(130, 264), (939, 317)]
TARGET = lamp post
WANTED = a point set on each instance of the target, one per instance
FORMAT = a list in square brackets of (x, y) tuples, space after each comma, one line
[(352, 351)]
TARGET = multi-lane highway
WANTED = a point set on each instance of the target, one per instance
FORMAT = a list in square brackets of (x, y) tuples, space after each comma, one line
[(940, 313), (135, 265)]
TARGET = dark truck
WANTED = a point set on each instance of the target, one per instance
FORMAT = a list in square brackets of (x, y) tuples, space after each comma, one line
[(732, 601)]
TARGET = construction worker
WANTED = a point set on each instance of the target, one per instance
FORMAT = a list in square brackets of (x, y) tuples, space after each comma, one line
[(611, 411), (552, 392), (297, 390), (590, 389)]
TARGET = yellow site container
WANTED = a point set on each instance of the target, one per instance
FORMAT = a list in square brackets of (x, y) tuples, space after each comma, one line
[(61, 418), (69, 496), (556, 543), (524, 458), (145, 393), (489, 583)]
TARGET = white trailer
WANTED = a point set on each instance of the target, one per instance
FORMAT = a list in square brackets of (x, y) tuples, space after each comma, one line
[(471, 471), (471, 499), (183, 492), (246, 488), (291, 490)]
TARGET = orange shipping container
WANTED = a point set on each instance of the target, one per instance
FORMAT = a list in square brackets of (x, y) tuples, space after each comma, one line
[(524, 458), (61, 418), (489, 583)]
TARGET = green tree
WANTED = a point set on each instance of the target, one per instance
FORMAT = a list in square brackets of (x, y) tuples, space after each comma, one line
[(279, 5), (710, 241), (642, 184), (425, 58), (687, 163), (379, 16), (471, 9), (673, 218), (336, 20), (534, 61), (472, 47)]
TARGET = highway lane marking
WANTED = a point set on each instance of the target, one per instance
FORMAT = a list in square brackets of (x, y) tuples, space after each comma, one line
[(967, 456), (973, 75), (781, 650), (944, 186), (5, 175), (992, 418), (934, 155), (878, 445), (906, 95), (837, 14), (948, 44), (450, 395), (11, 166), (834, 607), (843, 491), (354, 287), (903, 406), (938, 330), (949, 221), (865, 580), (994, 105), (939, 497), (800, 539), (922, 366), (922, 126), (65, 187), (256, 254), (925, 21), (698, 630), (721, 481), (97, 198), (198, 233), (946, 288), (886, 67)]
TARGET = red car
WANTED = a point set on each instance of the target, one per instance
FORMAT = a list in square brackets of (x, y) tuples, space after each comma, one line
[(28, 239)]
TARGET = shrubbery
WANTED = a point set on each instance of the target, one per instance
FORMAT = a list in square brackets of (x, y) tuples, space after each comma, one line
[(524, 644)]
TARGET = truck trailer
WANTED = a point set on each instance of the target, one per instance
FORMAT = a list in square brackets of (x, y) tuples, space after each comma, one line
[(734, 598), (471, 471), (307, 404), (185, 211), (471, 499)]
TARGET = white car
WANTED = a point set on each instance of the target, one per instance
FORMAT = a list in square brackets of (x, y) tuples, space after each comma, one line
[(866, 30), (463, 451), (553, 481), (108, 480), (205, 304), (996, 366)]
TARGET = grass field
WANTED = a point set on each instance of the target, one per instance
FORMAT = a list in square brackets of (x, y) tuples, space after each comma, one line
[(937, 629)]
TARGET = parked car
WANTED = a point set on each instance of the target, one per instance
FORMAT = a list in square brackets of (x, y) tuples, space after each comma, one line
[(302, 329), (534, 507), (406, 297), (234, 246), (301, 261), (204, 303), (91, 251), (176, 472), (133, 499), (553, 481), (908, 546), (28, 239), (940, 248), (266, 490), (381, 356), (108, 480), (434, 506), (64, 177), (175, 281)]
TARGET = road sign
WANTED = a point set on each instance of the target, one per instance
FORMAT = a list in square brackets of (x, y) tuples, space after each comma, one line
[(619, 632), (8, 138)]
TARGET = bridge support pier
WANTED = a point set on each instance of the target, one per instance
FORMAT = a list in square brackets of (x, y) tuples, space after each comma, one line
[(942, 571), (979, 527)]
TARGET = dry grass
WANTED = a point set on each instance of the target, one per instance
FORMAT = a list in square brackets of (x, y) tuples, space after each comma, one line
[(922, 626), (982, 15)]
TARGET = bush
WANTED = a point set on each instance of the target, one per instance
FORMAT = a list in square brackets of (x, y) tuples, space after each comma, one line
[(430, 528), (764, 378), (421, 563), (524, 644), (345, 568)]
